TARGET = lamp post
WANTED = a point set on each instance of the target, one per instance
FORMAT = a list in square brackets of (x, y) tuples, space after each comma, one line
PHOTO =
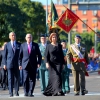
[(95, 40), (46, 16)]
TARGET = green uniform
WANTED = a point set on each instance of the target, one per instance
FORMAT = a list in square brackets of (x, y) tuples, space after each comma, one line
[(65, 76), (78, 68), (43, 71)]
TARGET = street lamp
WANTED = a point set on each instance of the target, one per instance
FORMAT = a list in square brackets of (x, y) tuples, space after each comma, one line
[(95, 44), (46, 16)]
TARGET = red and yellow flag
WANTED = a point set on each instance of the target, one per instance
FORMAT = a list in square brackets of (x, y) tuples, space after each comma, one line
[(67, 20)]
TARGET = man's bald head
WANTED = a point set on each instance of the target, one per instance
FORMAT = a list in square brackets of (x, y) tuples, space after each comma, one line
[(12, 36), (28, 38)]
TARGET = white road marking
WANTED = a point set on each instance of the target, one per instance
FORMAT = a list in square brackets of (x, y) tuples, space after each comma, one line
[(93, 93), (97, 77)]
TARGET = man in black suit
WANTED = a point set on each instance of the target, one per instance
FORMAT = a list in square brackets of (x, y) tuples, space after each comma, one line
[(11, 54), (3, 72), (29, 59)]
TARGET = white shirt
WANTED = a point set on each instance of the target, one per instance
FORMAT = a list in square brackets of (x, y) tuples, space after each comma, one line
[(44, 44), (78, 44), (13, 42)]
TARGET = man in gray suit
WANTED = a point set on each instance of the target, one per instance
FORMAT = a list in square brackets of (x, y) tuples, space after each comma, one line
[(77, 60), (29, 59), (11, 54)]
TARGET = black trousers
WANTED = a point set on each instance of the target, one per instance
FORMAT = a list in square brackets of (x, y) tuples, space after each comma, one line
[(13, 79), (29, 79), (4, 80)]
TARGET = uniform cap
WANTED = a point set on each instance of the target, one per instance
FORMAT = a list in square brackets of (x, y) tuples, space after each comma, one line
[(63, 40), (42, 35), (78, 36)]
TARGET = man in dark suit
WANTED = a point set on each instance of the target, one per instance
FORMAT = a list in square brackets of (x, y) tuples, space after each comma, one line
[(29, 59), (3, 72), (11, 53)]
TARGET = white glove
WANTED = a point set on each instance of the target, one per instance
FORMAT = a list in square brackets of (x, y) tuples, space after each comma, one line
[(69, 66)]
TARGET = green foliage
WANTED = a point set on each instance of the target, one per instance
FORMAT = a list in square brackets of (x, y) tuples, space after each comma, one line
[(36, 17), (22, 17), (87, 38), (11, 19), (63, 36)]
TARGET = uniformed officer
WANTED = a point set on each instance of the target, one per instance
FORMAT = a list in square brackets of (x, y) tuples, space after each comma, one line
[(77, 60), (43, 72), (66, 71)]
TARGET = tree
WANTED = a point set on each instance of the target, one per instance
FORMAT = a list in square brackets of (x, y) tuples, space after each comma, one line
[(36, 17), (11, 19), (22, 17)]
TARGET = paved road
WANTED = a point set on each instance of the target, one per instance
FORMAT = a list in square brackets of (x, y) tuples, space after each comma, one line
[(92, 85)]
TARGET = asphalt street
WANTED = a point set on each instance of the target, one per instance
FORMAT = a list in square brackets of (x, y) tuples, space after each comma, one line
[(92, 85)]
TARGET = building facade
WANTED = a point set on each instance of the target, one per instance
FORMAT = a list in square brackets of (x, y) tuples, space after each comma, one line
[(90, 17)]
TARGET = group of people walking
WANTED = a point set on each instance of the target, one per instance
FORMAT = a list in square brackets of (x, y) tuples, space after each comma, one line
[(54, 61)]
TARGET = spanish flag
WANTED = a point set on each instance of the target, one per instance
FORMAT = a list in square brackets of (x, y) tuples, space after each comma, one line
[(67, 20)]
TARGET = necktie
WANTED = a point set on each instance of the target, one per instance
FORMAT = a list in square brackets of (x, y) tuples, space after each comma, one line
[(13, 46), (29, 49), (78, 46)]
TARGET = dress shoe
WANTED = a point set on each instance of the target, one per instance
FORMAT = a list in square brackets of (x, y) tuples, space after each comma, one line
[(45, 94), (31, 95), (11, 95), (67, 92), (16, 94), (84, 92), (76, 94), (60, 94), (26, 94), (2, 85), (4, 88)]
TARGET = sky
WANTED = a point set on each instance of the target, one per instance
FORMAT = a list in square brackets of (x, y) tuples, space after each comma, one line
[(44, 2)]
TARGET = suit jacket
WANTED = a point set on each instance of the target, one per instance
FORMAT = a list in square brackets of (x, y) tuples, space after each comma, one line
[(34, 57), (11, 57), (72, 54), (1, 58)]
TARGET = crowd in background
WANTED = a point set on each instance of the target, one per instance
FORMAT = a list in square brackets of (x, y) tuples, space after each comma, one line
[(94, 60)]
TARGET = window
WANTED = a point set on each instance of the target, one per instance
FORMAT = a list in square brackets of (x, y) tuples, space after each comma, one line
[(94, 21), (83, 25), (74, 11), (74, 30), (84, 12), (84, 31), (94, 12)]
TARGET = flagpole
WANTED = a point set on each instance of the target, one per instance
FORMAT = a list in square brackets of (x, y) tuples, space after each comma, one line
[(69, 34), (46, 17)]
